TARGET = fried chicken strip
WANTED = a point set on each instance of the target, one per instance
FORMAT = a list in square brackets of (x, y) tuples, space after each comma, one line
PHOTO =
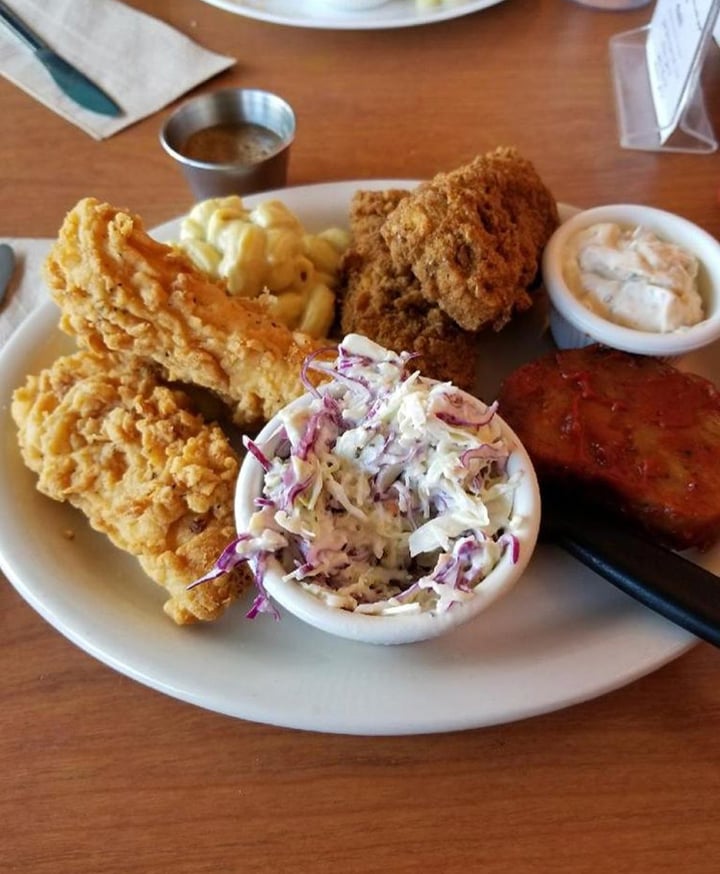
[(122, 291), (388, 306), (474, 237), (145, 470)]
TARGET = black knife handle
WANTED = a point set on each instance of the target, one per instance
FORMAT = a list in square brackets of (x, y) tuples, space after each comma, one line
[(664, 581), (18, 26)]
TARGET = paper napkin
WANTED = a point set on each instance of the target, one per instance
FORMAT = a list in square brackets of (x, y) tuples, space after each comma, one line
[(27, 288), (142, 63)]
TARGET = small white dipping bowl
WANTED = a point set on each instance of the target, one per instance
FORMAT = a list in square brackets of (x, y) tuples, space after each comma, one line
[(400, 628), (573, 325)]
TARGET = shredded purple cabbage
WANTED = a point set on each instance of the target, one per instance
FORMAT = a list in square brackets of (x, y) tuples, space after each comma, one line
[(253, 448), (294, 468)]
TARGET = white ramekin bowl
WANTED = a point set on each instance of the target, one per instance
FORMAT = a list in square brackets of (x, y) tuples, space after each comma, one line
[(573, 325), (402, 628)]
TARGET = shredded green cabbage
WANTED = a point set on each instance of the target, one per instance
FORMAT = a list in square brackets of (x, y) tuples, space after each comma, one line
[(387, 493)]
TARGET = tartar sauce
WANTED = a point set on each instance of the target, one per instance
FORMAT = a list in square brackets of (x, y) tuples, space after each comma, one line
[(633, 278), (387, 493)]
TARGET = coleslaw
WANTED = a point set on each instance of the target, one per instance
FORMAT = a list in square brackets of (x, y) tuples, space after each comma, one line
[(385, 493)]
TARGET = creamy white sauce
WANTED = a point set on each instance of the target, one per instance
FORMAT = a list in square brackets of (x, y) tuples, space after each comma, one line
[(633, 278)]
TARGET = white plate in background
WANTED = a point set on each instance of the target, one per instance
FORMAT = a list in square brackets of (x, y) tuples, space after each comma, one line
[(313, 13)]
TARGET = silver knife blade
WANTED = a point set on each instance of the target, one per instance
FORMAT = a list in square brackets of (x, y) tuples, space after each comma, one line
[(7, 267), (75, 84)]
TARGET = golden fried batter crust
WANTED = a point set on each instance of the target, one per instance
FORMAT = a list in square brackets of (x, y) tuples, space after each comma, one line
[(120, 290), (387, 305), (145, 470), (474, 237), (630, 432)]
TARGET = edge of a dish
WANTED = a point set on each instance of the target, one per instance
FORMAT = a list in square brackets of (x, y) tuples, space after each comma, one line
[(663, 644), (396, 15)]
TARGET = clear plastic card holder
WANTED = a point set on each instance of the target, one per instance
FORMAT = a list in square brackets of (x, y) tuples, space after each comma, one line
[(690, 130)]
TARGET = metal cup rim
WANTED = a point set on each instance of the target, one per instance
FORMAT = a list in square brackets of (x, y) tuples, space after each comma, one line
[(215, 96)]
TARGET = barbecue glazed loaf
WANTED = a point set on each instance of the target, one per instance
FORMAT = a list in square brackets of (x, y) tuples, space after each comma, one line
[(629, 432)]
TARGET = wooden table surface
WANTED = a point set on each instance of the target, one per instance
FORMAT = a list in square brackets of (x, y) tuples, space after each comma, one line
[(102, 774)]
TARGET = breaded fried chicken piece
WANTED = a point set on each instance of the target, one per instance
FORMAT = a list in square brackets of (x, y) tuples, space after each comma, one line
[(122, 291), (387, 305), (474, 237), (143, 468), (629, 432)]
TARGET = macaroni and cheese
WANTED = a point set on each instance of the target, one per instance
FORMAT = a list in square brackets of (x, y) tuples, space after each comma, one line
[(265, 251)]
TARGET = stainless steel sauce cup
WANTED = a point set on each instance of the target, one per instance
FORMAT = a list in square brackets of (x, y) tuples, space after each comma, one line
[(231, 106)]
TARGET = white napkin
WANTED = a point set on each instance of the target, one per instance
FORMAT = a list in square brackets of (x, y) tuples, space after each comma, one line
[(142, 63), (27, 288)]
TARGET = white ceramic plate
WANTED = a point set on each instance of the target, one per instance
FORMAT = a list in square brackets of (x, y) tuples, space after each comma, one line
[(563, 635), (313, 13)]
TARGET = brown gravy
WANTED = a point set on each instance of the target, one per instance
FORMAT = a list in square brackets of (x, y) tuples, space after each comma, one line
[(234, 143)]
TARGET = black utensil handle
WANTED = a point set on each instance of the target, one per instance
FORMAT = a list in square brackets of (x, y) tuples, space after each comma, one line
[(666, 582)]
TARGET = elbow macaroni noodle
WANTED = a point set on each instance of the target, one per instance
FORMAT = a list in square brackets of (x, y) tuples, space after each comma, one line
[(266, 251)]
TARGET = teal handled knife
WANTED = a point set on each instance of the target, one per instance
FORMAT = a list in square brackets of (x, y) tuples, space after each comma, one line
[(74, 83), (7, 266)]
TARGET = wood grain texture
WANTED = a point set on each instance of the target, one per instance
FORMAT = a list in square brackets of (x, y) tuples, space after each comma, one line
[(100, 774)]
